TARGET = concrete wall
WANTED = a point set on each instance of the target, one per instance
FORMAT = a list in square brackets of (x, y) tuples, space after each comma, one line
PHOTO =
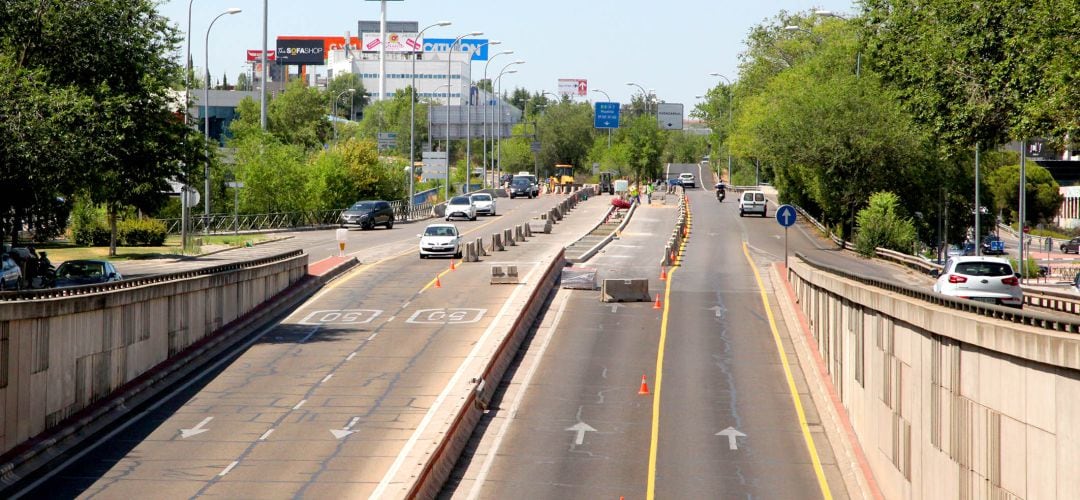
[(58, 356), (948, 404)]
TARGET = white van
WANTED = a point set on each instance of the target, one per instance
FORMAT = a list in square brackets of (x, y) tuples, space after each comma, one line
[(753, 202)]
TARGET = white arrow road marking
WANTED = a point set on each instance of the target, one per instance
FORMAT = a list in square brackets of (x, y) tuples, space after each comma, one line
[(195, 431), (732, 435), (614, 307), (580, 428), (345, 431)]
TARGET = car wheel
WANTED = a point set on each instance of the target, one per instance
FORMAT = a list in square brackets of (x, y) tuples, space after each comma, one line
[(390, 224), (422, 256), (493, 213), (473, 218), (740, 213), (3, 286), (764, 213), (458, 254), (447, 218)]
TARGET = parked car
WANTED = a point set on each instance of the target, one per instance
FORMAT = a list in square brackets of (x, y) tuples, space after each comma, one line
[(461, 206), (520, 186), (984, 279), (993, 245), (485, 203), (1071, 246), (687, 180), (752, 202), (11, 277), (86, 272), (368, 214), (440, 239)]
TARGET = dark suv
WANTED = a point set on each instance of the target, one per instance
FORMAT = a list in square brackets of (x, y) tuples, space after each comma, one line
[(368, 214), (521, 186), (1071, 246), (993, 245)]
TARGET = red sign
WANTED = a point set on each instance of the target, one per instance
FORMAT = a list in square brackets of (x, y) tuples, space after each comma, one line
[(1027, 229), (253, 55)]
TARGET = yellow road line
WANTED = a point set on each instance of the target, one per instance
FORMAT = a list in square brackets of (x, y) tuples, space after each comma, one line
[(818, 470)]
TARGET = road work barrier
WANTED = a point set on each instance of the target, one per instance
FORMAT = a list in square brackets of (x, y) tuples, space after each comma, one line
[(625, 290), (946, 401)]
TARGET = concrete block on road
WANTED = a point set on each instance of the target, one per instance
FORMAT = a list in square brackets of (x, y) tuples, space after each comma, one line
[(625, 290), (497, 243), (508, 237), (482, 252), (504, 274), (540, 226)]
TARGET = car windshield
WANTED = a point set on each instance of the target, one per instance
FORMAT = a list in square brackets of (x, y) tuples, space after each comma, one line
[(81, 270), (459, 200), (362, 206), (440, 231), (983, 269), (481, 197)]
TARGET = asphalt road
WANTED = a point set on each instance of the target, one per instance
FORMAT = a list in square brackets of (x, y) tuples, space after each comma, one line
[(320, 403), (571, 424)]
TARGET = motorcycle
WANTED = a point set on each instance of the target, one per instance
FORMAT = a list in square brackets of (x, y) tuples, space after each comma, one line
[(720, 195)]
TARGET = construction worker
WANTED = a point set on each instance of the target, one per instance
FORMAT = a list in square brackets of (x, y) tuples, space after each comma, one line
[(648, 192)]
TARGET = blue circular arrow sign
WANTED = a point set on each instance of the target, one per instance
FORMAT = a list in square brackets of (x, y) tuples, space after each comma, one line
[(786, 215)]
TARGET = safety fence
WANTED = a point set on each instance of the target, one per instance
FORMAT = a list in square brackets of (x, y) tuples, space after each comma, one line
[(222, 223)]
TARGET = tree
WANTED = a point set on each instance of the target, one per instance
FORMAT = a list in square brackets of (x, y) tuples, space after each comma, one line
[(296, 116), (644, 145), (1042, 192), (242, 82), (358, 100), (566, 134), (352, 170), (130, 141), (881, 224), (273, 174)]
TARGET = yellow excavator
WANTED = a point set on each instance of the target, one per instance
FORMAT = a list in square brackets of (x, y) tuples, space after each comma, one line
[(564, 176)]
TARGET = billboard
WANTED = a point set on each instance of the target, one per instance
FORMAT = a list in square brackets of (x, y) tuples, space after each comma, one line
[(300, 51), (328, 43), (253, 55), (395, 42), (573, 86), (478, 48), (391, 26)]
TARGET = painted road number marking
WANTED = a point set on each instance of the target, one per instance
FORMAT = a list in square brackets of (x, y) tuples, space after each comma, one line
[(446, 316), (341, 316)]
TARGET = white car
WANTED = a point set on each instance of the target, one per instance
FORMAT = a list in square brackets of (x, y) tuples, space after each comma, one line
[(485, 203), (687, 180), (983, 279), (440, 239), (753, 202), (461, 206)]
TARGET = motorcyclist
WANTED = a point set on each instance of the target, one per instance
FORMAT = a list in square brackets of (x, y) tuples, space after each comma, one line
[(720, 194)]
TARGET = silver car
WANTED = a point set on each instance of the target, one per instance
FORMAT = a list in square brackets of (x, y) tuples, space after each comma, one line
[(461, 206), (485, 203), (11, 277)]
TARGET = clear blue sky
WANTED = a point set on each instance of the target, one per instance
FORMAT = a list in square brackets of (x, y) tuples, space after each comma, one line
[(670, 47)]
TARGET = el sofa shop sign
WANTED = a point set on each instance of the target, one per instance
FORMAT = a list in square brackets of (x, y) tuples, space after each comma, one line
[(300, 51)]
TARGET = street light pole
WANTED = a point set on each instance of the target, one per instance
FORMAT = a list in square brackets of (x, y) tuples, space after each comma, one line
[(858, 55), (468, 120), (412, 112), (265, 63), (449, 89), (644, 94), (606, 96), (184, 209), (206, 115), (498, 143), (334, 108), (485, 148), (730, 108)]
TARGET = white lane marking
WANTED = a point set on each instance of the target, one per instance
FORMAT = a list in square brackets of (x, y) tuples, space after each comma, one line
[(474, 493), (350, 356), (372, 337), (298, 405), (227, 469), (391, 319), (195, 431), (327, 378), (453, 385), (308, 336), (266, 435)]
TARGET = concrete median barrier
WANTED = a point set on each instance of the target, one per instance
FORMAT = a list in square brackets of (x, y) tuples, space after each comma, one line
[(497, 243), (625, 290), (508, 237), (482, 252)]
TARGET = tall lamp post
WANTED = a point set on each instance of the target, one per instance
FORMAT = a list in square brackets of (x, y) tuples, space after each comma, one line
[(858, 55), (644, 94), (468, 121), (206, 114), (606, 96), (184, 209), (412, 112), (486, 114), (730, 108), (449, 89), (338, 98), (498, 143)]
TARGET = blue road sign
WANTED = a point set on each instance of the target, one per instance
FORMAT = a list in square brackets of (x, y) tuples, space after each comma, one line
[(606, 115), (786, 215)]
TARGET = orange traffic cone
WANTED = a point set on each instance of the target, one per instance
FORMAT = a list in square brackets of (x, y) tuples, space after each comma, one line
[(663, 272), (656, 305), (437, 283), (452, 266), (644, 386)]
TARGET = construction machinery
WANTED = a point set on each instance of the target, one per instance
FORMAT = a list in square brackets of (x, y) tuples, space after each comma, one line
[(564, 177), (607, 182)]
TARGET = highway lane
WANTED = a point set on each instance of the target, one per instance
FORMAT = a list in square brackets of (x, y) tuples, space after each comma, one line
[(320, 404), (577, 427)]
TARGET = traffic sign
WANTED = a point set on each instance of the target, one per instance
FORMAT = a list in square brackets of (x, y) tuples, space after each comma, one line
[(786, 215), (606, 115), (387, 140), (669, 116)]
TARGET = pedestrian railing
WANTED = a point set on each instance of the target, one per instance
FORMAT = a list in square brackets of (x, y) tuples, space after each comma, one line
[(247, 223)]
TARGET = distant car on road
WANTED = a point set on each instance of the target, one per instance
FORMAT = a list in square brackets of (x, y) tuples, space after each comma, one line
[(1071, 246), (982, 279), (440, 239), (521, 186), (485, 203), (687, 180), (993, 245), (11, 277), (461, 206), (368, 214), (86, 272)]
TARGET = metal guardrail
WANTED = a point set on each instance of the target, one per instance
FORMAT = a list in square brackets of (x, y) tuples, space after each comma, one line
[(227, 223), (55, 293), (1035, 319)]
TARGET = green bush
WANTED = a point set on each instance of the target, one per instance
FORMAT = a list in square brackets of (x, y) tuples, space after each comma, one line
[(141, 232), (88, 223), (880, 225), (93, 235)]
